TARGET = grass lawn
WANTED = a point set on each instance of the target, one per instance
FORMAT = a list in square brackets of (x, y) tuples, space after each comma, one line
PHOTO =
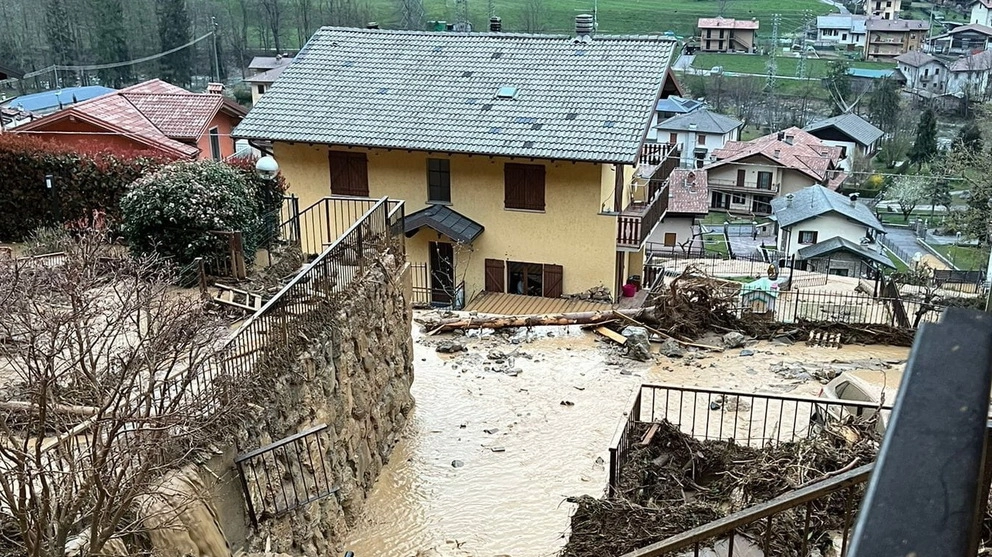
[(787, 65), (967, 258), (715, 244), (900, 266)]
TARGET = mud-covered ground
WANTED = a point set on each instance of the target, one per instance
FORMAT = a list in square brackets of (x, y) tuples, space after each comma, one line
[(508, 429)]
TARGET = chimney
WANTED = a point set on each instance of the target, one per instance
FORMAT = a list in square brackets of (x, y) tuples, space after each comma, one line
[(495, 24), (781, 136), (854, 198), (215, 88), (776, 153), (789, 139), (372, 25), (584, 27), (278, 57), (788, 200)]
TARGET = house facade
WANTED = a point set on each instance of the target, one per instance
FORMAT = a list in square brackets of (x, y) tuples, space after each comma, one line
[(981, 12), (264, 72), (688, 202), (883, 9), (519, 175), (828, 232), (888, 38), (153, 116), (962, 40), (841, 30), (747, 176), (719, 34), (967, 75), (697, 134), (923, 72), (855, 136)]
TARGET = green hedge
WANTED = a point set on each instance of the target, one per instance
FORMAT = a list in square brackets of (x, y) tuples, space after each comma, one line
[(83, 183)]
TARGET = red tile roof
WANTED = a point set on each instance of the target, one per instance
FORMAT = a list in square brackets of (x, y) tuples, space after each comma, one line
[(155, 113), (791, 148), (726, 23), (687, 191)]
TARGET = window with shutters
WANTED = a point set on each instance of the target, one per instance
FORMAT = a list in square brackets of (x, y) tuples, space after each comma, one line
[(438, 181), (532, 279), (349, 173), (523, 186), (214, 143), (495, 275)]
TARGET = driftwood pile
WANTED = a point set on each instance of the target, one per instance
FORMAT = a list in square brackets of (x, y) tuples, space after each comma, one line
[(677, 483)]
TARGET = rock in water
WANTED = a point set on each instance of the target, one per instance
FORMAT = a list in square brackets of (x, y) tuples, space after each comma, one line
[(734, 339), (638, 345)]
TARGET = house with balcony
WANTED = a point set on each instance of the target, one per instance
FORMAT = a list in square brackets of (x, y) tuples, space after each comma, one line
[(883, 9), (855, 136), (841, 30), (923, 72), (830, 233), (888, 38), (720, 34), (521, 158), (962, 40), (697, 134), (964, 76), (668, 108), (747, 175)]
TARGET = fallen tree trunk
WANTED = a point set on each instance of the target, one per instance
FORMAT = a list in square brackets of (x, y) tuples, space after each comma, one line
[(506, 321)]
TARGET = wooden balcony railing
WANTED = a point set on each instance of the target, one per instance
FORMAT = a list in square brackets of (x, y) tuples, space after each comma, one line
[(639, 218)]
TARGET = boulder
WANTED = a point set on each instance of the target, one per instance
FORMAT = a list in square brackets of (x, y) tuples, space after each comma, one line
[(672, 349), (734, 339), (638, 345)]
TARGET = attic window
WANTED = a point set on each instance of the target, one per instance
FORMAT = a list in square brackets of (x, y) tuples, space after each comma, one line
[(580, 52), (348, 63), (486, 107), (437, 49), (471, 101), (467, 74), (506, 92), (571, 115)]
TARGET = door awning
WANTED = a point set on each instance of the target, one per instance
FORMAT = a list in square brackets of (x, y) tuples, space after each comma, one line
[(445, 220)]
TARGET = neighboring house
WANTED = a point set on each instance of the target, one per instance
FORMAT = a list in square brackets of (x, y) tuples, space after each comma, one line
[(828, 232), (264, 72), (25, 108), (884, 9), (529, 142), (866, 77), (852, 133), (888, 38), (149, 116), (923, 72), (667, 108), (962, 40), (981, 12), (747, 175), (688, 201), (697, 134), (841, 30), (969, 75), (718, 34)]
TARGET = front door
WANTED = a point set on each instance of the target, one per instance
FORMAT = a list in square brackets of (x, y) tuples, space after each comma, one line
[(442, 273)]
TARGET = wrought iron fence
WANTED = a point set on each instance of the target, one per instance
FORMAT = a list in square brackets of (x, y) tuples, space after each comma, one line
[(318, 225), (420, 277), (285, 475)]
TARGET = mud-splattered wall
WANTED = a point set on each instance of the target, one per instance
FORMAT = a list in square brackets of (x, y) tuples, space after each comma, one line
[(350, 369)]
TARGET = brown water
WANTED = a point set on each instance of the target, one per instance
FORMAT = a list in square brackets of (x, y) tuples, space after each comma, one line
[(513, 502), (179, 521)]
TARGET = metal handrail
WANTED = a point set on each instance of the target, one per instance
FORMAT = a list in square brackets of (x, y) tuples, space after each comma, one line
[(730, 523)]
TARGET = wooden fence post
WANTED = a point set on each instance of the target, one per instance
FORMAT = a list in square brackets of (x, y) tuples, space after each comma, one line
[(237, 252)]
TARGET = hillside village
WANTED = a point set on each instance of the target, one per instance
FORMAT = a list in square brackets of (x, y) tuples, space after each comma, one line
[(437, 288)]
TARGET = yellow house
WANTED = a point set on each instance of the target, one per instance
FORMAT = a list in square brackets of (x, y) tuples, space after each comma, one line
[(521, 158)]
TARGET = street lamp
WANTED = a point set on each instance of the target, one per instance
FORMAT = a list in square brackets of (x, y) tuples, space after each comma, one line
[(53, 196), (267, 168)]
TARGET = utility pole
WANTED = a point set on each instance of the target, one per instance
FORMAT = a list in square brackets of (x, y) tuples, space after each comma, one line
[(413, 15), (801, 70), (462, 23), (772, 74), (492, 8), (217, 78)]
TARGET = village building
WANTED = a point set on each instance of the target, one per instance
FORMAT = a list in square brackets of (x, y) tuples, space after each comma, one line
[(829, 233), (888, 38), (515, 154), (688, 202), (841, 30), (719, 34), (964, 76), (151, 116), (697, 134), (923, 72), (962, 40), (855, 136), (981, 12), (747, 175), (883, 9), (264, 72)]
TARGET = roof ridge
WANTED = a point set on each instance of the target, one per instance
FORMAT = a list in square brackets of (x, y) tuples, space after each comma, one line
[(500, 35)]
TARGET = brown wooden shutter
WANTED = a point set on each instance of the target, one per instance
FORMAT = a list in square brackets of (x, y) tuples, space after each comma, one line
[(740, 177), (552, 281), (358, 168), (495, 276), (349, 173), (338, 163), (535, 187), (514, 186)]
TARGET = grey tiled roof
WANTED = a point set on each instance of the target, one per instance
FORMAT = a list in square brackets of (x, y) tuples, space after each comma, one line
[(447, 221), (835, 244), (817, 200), (705, 121), (851, 125), (588, 101)]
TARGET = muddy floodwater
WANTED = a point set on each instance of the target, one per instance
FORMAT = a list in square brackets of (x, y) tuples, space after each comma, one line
[(489, 457)]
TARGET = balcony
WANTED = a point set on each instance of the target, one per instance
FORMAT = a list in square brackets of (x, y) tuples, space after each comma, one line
[(747, 187), (635, 223), (653, 156)]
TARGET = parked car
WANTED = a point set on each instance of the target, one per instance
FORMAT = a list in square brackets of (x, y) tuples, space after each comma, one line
[(874, 387)]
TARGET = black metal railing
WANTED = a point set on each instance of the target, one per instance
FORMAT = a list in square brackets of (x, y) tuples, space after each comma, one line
[(421, 280), (635, 223)]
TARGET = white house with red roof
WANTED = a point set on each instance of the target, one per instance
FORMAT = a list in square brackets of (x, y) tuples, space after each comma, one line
[(721, 34), (153, 117), (688, 201), (747, 175)]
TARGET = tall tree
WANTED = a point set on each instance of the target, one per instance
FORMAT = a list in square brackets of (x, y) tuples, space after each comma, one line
[(59, 33), (839, 85), (271, 11), (925, 146), (883, 105), (174, 31), (110, 40), (533, 16), (908, 191)]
